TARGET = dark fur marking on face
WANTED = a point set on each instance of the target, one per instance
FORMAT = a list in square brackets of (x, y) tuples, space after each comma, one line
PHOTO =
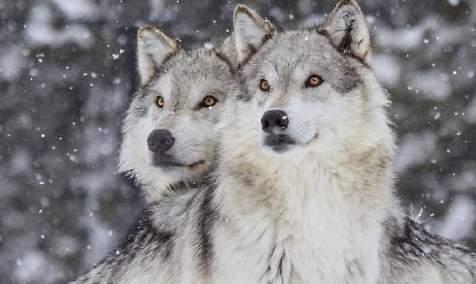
[(340, 72), (243, 95), (139, 106), (225, 59)]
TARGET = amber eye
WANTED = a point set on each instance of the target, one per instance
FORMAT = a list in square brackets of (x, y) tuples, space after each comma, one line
[(209, 101), (313, 81), (159, 101), (264, 85)]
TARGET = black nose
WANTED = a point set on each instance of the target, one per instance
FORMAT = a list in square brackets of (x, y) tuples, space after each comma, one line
[(274, 119), (160, 140)]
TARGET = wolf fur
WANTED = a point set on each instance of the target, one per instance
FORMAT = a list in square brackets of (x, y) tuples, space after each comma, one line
[(296, 209), (339, 163), (166, 243), (310, 201), (183, 78), (413, 255)]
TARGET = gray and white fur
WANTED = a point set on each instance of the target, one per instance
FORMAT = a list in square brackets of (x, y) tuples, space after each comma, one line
[(303, 190), (324, 172), (182, 94)]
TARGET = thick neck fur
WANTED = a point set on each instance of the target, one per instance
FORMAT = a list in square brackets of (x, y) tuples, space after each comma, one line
[(304, 216)]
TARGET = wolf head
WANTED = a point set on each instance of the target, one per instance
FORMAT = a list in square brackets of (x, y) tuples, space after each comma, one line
[(310, 101), (169, 131)]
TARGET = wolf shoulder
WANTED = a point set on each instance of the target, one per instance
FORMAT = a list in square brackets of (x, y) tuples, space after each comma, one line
[(416, 256), (159, 247)]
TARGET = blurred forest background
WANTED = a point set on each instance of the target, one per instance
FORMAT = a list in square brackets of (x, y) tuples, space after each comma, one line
[(67, 72)]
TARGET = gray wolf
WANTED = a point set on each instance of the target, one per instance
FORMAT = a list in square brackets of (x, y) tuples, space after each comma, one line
[(169, 138), (317, 170), (308, 180)]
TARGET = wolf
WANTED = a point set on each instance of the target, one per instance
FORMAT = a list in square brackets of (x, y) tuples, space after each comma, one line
[(169, 131), (308, 180), (169, 137), (317, 171)]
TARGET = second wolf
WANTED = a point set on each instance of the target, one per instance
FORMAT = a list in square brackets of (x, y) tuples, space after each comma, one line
[(170, 137)]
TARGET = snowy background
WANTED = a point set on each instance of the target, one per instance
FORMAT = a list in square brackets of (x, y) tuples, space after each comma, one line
[(67, 74)]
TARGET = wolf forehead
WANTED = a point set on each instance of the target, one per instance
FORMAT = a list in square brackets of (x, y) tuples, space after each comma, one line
[(189, 67), (309, 51)]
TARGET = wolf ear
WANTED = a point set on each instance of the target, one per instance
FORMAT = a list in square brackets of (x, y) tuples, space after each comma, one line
[(153, 49), (347, 30), (250, 31)]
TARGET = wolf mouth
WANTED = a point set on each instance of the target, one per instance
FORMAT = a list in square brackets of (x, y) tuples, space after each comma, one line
[(279, 142), (167, 162)]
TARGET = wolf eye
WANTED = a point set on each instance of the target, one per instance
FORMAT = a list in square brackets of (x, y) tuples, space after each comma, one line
[(159, 101), (313, 81), (264, 85), (209, 101)]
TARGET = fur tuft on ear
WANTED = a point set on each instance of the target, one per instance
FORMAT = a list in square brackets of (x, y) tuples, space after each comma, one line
[(250, 31), (347, 30), (153, 48)]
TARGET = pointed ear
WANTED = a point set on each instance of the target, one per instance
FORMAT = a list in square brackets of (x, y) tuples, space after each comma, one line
[(250, 31), (153, 49), (347, 30)]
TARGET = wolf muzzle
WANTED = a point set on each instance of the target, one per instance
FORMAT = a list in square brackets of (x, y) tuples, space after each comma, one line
[(274, 123), (160, 141)]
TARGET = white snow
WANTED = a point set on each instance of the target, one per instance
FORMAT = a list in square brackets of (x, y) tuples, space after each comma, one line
[(78, 9), (11, 62), (431, 84), (470, 112), (414, 150), (387, 68), (33, 266), (40, 30), (454, 2), (404, 39), (458, 222)]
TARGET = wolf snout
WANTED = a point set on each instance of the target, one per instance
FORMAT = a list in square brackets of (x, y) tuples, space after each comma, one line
[(160, 141), (274, 123), (273, 120)]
